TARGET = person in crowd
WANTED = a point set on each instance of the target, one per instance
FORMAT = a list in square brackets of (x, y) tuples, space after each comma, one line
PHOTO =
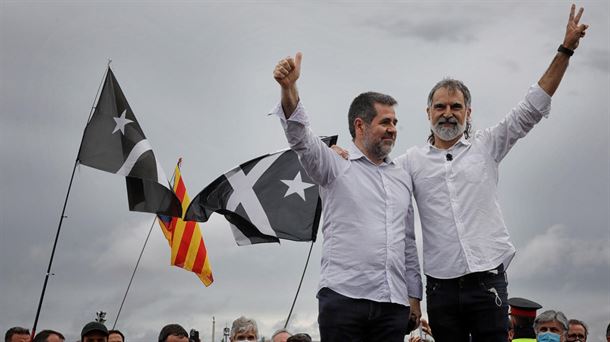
[(280, 335), (244, 329), (49, 336), (300, 337), (522, 314), (94, 332), (115, 336), (17, 334), (173, 333), (551, 326), (424, 334), (577, 331)]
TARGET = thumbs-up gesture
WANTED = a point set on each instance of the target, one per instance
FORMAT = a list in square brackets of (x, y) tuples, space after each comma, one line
[(288, 70)]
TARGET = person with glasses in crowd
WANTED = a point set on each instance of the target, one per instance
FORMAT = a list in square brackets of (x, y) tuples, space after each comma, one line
[(577, 331)]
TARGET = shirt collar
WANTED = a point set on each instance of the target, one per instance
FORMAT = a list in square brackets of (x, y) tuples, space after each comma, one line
[(355, 153)]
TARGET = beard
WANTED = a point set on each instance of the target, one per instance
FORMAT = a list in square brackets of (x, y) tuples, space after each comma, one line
[(448, 133), (381, 148)]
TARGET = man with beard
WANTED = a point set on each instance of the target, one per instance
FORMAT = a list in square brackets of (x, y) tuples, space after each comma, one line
[(370, 269), (466, 244)]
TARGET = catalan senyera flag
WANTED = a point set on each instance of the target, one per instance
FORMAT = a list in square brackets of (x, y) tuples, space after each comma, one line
[(184, 237)]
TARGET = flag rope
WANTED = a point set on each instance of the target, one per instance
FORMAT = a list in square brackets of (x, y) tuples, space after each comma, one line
[(61, 218), (300, 283), (135, 269)]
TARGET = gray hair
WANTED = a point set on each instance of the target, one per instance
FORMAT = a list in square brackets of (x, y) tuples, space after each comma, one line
[(550, 316), (279, 331), (242, 325), (579, 322), (452, 85)]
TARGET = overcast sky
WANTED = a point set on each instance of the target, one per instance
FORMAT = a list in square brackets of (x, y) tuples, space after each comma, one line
[(198, 76)]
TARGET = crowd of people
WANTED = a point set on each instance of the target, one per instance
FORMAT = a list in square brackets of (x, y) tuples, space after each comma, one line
[(242, 330), (548, 326)]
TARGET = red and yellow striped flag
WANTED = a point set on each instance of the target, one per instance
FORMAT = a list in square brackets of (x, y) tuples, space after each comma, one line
[(184, 237)]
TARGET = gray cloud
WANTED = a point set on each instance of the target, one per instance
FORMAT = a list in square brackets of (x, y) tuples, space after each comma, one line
[(599, 59)]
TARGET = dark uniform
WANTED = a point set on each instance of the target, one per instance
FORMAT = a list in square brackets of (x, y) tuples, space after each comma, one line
[(523, 313)]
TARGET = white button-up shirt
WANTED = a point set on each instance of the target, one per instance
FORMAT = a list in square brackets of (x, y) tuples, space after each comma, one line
[(462, 225), (369, 246)]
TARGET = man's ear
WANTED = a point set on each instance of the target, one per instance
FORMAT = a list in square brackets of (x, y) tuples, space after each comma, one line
[(428, 111), (359, 126), (468, 111)]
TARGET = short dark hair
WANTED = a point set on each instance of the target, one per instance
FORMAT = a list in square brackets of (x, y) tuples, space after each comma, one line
[(300, 337), (15, 331), (172, 329), (363, 106), (579, 322), (523, 326), (113, 331), (44, 335), (451, 84)]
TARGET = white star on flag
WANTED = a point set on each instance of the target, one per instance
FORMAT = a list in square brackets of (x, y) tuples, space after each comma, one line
[(121, 122), (297, 186)]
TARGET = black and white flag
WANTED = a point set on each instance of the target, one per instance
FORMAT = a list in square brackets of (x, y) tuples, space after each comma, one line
[(114, 142), (265, 199)]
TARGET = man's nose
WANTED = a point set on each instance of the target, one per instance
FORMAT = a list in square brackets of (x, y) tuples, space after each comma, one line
[(447, 112)]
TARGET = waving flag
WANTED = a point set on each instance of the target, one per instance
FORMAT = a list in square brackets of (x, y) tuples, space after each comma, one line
[(265, 199), (114, 142), (185, 239)]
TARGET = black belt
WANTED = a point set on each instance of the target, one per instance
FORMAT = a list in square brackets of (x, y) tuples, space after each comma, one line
[(474, 275)]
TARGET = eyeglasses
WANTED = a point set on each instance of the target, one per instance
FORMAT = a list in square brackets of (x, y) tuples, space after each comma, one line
[(576, 337)]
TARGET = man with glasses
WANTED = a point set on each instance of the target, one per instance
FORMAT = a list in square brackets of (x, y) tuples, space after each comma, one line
[(577, 331)]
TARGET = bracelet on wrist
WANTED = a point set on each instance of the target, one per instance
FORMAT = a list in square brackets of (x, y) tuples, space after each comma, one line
[(565, 50)]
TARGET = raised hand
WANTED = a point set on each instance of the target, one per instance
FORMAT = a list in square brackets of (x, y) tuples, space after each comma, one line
[(574, 30), (288, 70)]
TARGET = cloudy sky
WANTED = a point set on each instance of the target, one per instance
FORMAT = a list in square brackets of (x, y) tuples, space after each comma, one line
[(198, 77)]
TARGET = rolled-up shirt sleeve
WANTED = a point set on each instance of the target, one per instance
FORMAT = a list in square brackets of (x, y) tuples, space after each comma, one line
[(517, 123)]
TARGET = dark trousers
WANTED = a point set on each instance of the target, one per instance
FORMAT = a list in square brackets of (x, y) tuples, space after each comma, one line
[(344, 319), (473, 305)]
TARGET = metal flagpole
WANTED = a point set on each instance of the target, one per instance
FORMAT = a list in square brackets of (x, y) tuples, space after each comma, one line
[(135, 269), (134, 273), (300, 283), (63, 212)]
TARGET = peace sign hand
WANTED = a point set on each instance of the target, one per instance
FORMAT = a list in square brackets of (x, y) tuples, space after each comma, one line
[(574, 30)]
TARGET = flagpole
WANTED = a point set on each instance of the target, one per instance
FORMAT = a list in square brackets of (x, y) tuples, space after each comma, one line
[(300, 283), (135, 269), (63, 212), (134, 273)]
